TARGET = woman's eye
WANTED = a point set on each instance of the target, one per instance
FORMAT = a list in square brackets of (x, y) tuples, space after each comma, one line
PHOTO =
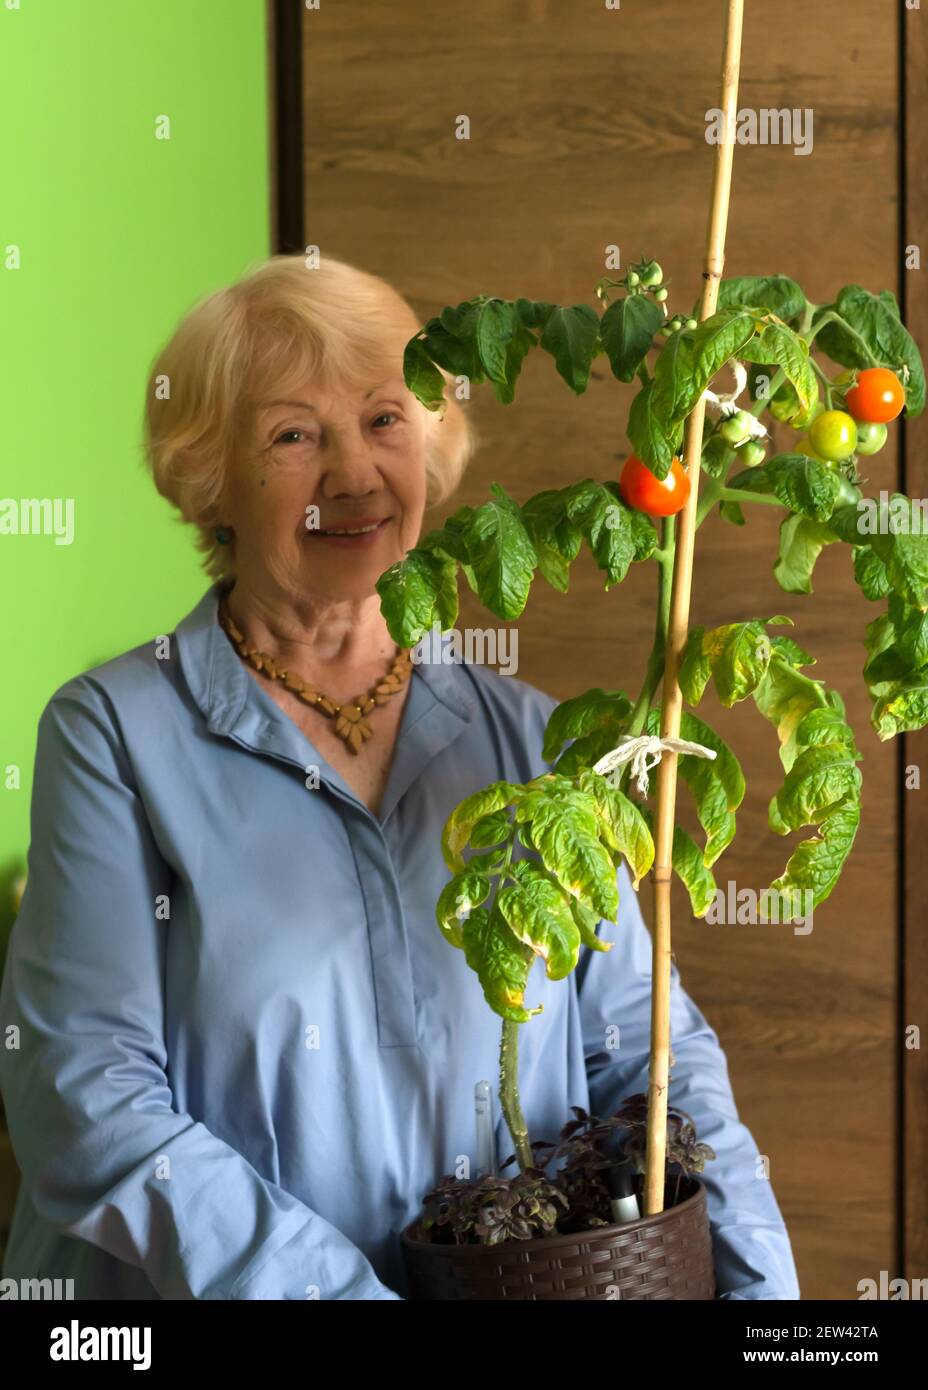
[(387, 415), (282, 438)]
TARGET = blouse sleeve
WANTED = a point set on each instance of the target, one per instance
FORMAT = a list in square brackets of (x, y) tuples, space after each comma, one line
[(105, 1156), (753, 1256)]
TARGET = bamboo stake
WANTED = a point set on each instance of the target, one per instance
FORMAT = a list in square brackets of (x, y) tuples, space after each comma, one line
[(677, 631)]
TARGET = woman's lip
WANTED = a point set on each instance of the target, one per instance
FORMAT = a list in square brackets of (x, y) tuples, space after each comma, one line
[(360, 539)]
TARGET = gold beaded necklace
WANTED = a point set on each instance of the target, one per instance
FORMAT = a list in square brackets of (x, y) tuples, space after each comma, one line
[(350, 723)]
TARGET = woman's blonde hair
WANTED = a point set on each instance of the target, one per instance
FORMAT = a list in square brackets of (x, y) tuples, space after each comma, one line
[(286, 322)]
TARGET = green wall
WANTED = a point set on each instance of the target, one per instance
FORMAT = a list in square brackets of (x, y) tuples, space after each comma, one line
[(119, 233)]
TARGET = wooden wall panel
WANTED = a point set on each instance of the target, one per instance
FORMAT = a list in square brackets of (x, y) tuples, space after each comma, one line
[(914, 959), (586, 130)]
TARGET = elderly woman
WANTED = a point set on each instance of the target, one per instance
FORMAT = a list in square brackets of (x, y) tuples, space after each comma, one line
[(243, 1051)]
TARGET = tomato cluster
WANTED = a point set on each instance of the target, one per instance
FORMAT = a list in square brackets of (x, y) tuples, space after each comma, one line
[(875, 398)]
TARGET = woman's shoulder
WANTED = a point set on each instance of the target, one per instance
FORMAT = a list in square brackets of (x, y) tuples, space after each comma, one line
[(136, 682)]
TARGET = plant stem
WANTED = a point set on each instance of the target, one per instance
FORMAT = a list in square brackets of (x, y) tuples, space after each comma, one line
[(655, 667), (831, 317), (509, 1092), (824, 380), (737, 494)]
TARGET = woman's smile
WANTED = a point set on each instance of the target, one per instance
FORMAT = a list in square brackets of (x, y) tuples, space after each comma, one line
[(362, 537)]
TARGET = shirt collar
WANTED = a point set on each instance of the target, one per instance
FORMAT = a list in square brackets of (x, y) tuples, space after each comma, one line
[(439, 705)]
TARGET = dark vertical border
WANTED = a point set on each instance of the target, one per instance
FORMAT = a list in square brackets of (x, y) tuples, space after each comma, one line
[(913, 985), (285, 35)]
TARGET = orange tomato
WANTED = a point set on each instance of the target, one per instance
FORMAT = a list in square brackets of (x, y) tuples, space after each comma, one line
[(877, 398), (657, 497)]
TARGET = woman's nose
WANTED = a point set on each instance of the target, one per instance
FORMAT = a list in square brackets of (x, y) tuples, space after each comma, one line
[(350, 464)]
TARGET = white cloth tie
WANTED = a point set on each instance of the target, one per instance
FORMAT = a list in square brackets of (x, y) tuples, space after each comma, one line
[(644, 751)]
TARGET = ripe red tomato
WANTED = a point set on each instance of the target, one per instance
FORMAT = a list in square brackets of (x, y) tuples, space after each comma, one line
[(878, 396), (645, 493)]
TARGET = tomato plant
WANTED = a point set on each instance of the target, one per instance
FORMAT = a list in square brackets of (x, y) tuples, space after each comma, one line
[(655, 496), (599, 812)]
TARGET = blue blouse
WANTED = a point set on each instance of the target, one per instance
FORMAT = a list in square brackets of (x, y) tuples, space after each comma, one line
[(238, 1050)]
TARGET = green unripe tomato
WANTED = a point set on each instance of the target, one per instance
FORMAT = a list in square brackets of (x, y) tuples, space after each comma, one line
[(737, 428), (692, 323), (752, 453), (871, 438), (660, 295), (833, 434), (632, 279), (652, 274)]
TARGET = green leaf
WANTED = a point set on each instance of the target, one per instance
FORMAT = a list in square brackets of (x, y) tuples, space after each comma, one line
[(875, 320), (555, 536), (501, 962), (593, 710), (776, 293), (903, 708), (822, 785), (784, 697), (502, 555), (715, 457), (416, 592), (622, 825), (643, 534), (801, 542), (587, 923), (791, 651), (735, 655), (691, 358), (462, 893), (457, 355), (802, 484), (717, 784), (421, 375), (607, 525), (465, 815), (490, 830), (896, 677), (731, 511), (538, 913), (896, 533), (687, 861), (495, 324), (653, 442), (570, 336), (821, 777), (781, 347), (534, 313), (627, 331), (815, 865), (577, 859), (910, 625), (870, 573)]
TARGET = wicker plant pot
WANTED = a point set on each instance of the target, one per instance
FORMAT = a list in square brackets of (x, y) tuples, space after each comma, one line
[(668, 1256)]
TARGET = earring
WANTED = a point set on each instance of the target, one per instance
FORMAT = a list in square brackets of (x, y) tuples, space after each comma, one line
[(222, 536)]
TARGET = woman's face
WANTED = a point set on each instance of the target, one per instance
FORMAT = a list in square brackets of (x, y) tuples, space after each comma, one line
[(356, 457)]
